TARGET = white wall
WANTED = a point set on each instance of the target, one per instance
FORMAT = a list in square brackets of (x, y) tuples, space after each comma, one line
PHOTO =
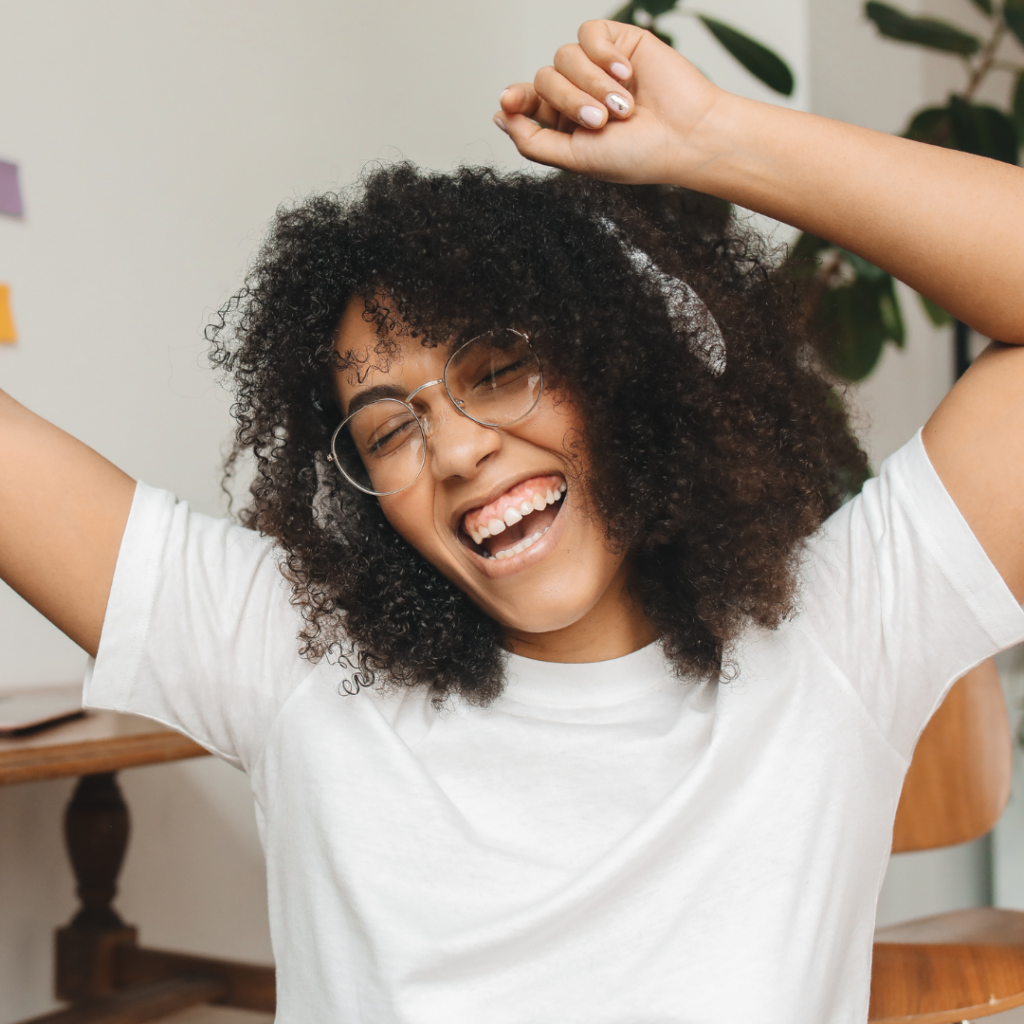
[(155, 142)]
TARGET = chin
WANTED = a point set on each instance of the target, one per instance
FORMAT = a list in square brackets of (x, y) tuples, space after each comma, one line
[(554, 598)]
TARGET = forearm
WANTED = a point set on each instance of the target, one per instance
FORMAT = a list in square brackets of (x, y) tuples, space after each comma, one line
[(949, 224), (63, 509)]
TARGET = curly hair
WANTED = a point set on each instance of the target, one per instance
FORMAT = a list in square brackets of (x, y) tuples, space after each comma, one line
[(709, 483)]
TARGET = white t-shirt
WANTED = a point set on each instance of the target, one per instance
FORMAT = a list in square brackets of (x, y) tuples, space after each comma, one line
[(605, 844)]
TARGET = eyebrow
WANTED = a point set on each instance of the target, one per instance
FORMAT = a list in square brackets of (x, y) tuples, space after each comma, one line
[(374, 394)]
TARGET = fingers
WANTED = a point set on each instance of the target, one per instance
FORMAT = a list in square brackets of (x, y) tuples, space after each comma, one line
[(609, 45), (524, 99), (573, 92), (585, 87), (585, 79)]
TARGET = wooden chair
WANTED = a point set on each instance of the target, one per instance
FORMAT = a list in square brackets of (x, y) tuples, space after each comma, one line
[(968, 963)]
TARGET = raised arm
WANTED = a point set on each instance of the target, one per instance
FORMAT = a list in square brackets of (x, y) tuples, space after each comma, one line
[(949, 224), (63, 510), (946, 223)]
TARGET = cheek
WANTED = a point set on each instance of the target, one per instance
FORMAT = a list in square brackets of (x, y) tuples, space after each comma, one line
[(410, 513), (555, 426)]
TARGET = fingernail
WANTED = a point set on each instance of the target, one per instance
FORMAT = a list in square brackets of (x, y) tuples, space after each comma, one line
[(620, 71), (501, 124), (591, 116), (503, 94), (617, 103)]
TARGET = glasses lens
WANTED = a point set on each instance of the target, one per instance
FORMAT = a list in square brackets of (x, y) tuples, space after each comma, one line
[(495, 379), (380, 448)]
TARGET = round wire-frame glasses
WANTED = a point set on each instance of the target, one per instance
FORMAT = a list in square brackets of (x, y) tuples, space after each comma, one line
[(494, 379)]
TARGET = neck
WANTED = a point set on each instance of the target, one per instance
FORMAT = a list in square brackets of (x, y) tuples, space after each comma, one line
[(614, 627)]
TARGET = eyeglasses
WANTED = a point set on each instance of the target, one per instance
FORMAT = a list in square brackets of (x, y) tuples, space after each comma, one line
[(495, 380)]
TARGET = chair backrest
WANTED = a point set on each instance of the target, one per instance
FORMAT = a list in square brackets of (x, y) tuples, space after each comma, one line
[(959, 779)]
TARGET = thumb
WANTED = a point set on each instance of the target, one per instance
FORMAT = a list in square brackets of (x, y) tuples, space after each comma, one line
[(542, 145)]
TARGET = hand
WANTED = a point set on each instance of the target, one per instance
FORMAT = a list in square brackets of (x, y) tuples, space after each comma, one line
[(580, 115)]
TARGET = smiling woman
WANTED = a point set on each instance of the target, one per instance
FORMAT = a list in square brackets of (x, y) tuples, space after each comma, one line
[(586, 696), (687, 488)]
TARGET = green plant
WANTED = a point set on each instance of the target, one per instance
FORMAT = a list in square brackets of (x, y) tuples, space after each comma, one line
[(853, 303), (760, 61)]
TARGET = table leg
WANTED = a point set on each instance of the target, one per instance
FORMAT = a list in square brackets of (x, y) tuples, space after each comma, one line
[(96, 831), (101, 969)]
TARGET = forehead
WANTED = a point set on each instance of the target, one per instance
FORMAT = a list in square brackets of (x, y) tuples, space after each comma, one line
[(363, 362)]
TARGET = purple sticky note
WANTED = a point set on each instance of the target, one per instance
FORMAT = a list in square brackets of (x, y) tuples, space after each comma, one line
[(10, 191)]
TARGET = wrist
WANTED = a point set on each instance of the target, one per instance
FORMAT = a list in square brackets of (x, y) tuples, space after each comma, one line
[(709, 155)]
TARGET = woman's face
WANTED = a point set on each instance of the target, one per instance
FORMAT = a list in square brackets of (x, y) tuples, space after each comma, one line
[(474, 475)]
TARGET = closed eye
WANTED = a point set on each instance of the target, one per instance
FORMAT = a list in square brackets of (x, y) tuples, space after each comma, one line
[(390, 439), (496, 377)]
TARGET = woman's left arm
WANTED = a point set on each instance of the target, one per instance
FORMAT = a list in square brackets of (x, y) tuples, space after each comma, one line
[(949, 224)]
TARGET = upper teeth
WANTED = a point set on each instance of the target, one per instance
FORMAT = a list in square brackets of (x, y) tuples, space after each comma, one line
[(513, 515)]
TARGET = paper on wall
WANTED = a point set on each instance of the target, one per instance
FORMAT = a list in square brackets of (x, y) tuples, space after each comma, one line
[(10, 190), (8, 333)]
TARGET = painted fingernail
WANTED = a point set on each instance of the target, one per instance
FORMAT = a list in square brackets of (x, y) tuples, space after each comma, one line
[(617, 103), (501, 124), (620, 71), (504, 93), (591, 116)]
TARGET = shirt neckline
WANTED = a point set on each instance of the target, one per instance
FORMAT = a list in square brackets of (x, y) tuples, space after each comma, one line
[(584, 684)]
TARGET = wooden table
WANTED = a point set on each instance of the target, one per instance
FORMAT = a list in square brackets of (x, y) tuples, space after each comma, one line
[(102, 741), (101, 969)]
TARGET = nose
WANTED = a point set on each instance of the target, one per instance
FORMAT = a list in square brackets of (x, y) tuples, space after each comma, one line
[(458, 446)]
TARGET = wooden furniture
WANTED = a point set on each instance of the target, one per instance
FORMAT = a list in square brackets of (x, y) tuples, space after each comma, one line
[(968, 963), (101, 970)]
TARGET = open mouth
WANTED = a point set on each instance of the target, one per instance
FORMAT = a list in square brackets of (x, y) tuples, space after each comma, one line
[(515, 520)]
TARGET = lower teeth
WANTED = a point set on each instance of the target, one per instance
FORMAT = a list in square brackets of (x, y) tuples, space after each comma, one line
[(520, 547)]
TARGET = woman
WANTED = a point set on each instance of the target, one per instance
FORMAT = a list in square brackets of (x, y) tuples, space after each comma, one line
[(592, 714)]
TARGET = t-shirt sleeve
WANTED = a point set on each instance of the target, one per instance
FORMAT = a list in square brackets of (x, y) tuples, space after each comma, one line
[(901, 596), (199, 632)]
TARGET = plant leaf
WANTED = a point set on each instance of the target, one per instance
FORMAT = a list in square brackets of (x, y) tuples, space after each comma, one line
[(1013, 13), (984, 5), (1018, 108), (1003, 134), (807, 247), (892, 315), (856, 321), (655, 8), (933, 125), (936, 314), (983, 130), (854, 334), (626, 14), (761, 62), (930, 32), (862, 268)]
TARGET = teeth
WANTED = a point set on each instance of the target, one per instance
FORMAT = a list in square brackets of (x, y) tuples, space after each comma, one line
[(535, 503), (521, 546)]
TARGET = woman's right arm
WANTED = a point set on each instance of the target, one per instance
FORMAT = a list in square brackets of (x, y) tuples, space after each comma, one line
[(63, 510)]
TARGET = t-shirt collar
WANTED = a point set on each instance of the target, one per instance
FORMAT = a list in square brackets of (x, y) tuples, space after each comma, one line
[(587, 684)]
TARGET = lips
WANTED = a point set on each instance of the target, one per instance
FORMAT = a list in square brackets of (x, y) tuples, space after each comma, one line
[(516, 519)]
